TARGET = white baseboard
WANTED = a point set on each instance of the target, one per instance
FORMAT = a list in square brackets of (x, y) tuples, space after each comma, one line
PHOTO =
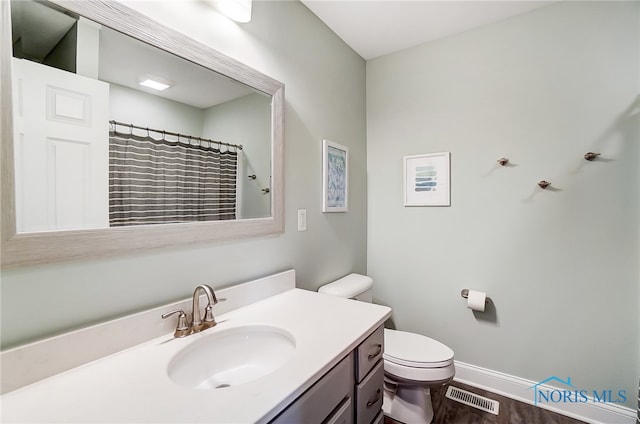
[(519, 389)]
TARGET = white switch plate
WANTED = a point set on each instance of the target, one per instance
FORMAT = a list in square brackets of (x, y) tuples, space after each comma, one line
[(302, 219)]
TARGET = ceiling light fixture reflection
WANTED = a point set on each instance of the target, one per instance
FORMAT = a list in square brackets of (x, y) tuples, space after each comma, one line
[(156, 83)]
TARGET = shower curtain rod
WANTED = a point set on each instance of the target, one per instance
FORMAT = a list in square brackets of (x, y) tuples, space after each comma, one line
[(190, 137)]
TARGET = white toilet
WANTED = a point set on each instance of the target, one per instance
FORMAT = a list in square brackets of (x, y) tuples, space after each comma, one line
[(412, 363)]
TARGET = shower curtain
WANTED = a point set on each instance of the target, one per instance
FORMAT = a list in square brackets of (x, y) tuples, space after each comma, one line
[(159, 181)]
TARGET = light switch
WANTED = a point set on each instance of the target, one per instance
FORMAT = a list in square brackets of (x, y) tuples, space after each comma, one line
[(302, 219)]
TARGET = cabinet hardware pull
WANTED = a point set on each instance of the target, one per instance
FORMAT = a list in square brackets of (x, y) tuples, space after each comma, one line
[(373, 402), (378, 351)]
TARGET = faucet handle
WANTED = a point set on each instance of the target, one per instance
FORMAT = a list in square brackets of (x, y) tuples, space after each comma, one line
[(208, 321), (182, 329)]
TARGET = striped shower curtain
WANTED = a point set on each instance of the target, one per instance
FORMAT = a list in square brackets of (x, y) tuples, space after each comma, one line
[(158, 181)]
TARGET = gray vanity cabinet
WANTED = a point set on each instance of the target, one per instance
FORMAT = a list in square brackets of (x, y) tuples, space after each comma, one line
[(351, 392)]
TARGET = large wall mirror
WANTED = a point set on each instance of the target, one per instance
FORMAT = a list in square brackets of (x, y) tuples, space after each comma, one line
[(124, 134)]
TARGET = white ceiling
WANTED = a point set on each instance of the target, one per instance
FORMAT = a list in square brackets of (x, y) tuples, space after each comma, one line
[(378, 27)]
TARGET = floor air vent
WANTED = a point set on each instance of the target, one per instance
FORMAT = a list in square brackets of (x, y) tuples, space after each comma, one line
[(473, 400)]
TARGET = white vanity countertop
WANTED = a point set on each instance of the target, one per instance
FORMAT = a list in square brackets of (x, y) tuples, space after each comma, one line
[(133, 385)]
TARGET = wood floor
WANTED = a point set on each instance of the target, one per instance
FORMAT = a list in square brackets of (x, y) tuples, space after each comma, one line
[(448, 411)]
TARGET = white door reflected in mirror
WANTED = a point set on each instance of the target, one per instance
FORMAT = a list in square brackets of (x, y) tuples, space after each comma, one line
[(62, 149)]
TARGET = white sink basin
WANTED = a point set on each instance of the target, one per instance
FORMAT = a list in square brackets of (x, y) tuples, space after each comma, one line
[(231, 357)]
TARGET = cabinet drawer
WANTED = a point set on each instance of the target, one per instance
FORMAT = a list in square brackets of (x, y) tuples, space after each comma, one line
[(369, 353), (317, 403), (379, 419), (369, 395)]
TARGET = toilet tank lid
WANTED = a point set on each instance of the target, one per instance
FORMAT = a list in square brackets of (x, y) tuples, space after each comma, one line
[(348, 286)]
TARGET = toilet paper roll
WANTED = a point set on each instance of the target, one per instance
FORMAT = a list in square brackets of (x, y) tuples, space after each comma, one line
[(476, 300)]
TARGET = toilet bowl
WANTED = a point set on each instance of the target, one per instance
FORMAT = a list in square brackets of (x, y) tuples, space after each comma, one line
[(413, 363)]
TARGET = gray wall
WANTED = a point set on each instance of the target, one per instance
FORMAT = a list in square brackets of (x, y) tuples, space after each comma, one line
[(325, 98), (246, 121), (560, 265), (147, 110)]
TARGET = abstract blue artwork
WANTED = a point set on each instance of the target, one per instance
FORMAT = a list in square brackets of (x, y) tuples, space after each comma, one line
[(335, 177), (427, 180)]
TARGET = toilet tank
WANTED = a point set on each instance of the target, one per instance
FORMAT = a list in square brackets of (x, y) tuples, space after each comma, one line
[(352, 286)]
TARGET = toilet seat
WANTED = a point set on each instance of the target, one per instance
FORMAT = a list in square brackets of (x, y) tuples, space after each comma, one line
[(415, 350), (416, 358)]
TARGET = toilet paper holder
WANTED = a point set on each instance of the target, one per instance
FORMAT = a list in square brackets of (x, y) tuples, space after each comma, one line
[(465, 294)]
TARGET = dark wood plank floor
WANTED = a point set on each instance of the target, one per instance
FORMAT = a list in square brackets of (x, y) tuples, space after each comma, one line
[(447, 411)]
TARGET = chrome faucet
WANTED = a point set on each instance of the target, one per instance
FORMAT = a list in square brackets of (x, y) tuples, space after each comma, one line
[(197, 324)]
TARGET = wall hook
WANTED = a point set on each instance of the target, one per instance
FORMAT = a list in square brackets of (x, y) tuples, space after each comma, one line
[(503, 161), (252, 176), (544, 184), (591, 156)]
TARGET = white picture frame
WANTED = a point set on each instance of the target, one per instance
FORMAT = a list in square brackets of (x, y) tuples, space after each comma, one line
[(335, 177), (427, 179)]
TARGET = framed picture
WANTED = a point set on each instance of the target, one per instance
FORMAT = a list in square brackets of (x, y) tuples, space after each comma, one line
[(335, 177), (427, 180)]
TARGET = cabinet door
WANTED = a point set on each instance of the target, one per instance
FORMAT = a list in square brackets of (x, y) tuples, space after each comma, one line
[(369, 394), (317, 403)]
